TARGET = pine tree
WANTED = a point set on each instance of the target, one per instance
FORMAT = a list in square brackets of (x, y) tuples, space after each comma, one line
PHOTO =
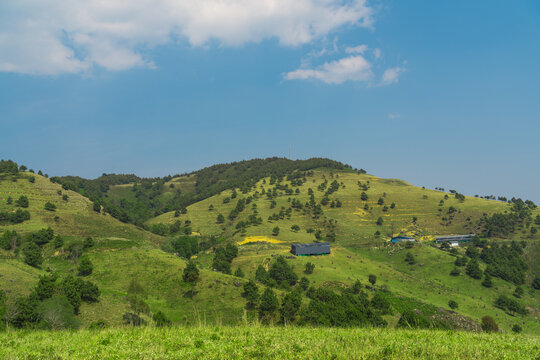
[(267, 306)]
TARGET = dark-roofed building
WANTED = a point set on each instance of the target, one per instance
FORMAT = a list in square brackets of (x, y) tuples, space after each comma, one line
[(454, 238), (310, 249)]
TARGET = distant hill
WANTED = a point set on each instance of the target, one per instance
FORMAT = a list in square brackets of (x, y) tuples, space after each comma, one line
[(151, 197)]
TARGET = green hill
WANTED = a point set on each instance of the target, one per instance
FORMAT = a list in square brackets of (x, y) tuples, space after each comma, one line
[(316, 200)]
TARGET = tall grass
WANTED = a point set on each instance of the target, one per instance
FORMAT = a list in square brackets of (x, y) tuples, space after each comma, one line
[(258, 342)]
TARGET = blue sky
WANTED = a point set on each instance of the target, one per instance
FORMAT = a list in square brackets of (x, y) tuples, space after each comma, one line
[(439, 93)]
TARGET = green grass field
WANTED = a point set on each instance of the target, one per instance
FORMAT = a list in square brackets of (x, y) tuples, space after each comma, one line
[(256, 342)]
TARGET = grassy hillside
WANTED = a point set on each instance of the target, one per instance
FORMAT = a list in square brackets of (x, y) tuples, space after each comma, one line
[(73, 217), (357, 251), (123, 252), (355, 225), (266, 343)]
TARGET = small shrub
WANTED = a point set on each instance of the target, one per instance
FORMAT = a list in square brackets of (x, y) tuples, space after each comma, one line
[(489, 324)]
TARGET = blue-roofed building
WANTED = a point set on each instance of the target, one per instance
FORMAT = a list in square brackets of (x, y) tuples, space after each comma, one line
[(398, 239)]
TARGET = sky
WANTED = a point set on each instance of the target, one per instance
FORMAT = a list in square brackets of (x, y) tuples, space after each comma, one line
[(438, 93)]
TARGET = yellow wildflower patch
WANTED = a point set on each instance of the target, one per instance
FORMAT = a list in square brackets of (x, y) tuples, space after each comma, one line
[(251, 239), (360, 212)]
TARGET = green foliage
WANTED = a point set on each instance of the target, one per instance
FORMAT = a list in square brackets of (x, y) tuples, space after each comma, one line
[(220, 219), (16, 217), (487, 282), (9, 167), (412, 319), (473, 269), (58, 242), (160, 319), (289, 307), (223, 258), (9, 240), (268, 306), (309, 267), (251, 293), (455, 272), (46, 286), (282, 272), (518, 292), (183, 246), (85, 266), (133, 319), (304, 283), (88, 243), (22, 201), (489, 324), (191, 273), (381, 304), (536, 283), (32, 254), (275, 231), (510, 305), (452, 304), (239, 273), (327, 308), (517, 329), (505, 262), (57, 313), (409, 258), (42, 237), (372, 279), (49, 206), (380, 221)]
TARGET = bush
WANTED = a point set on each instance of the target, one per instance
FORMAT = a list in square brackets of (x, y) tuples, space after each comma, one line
[(372, 279), (510, 305), (309, 267), (536, 283), (282, 272), (517, 329), (32, 254), (412, 319), (489, 324), (275, 231), (191, 273), (88, 243), (409, 258), (57, 313), (22, 201), (452, 304), (85, 266), (49, 206), (473, 269), (455, 272), (160, 319)]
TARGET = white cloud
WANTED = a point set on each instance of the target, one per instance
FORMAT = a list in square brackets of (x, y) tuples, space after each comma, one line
[(393, 116), (352, 68), (360, 49), (391, 76), (57, 36), (377, 53)]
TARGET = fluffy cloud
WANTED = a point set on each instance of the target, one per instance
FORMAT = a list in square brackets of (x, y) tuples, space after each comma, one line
[(57, 36), (391, 76), (352, 68)]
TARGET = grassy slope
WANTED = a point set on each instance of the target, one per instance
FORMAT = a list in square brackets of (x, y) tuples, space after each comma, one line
[(355, 225), (358, 253), (249, 342), (122, 252), (75, 216)]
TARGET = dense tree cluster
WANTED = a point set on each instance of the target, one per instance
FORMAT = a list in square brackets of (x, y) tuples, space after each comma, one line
[(53, 303), (223, 258), (16, 217), (503, 225)]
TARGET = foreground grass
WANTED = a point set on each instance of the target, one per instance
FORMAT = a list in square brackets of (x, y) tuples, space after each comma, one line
[(265, 342)]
